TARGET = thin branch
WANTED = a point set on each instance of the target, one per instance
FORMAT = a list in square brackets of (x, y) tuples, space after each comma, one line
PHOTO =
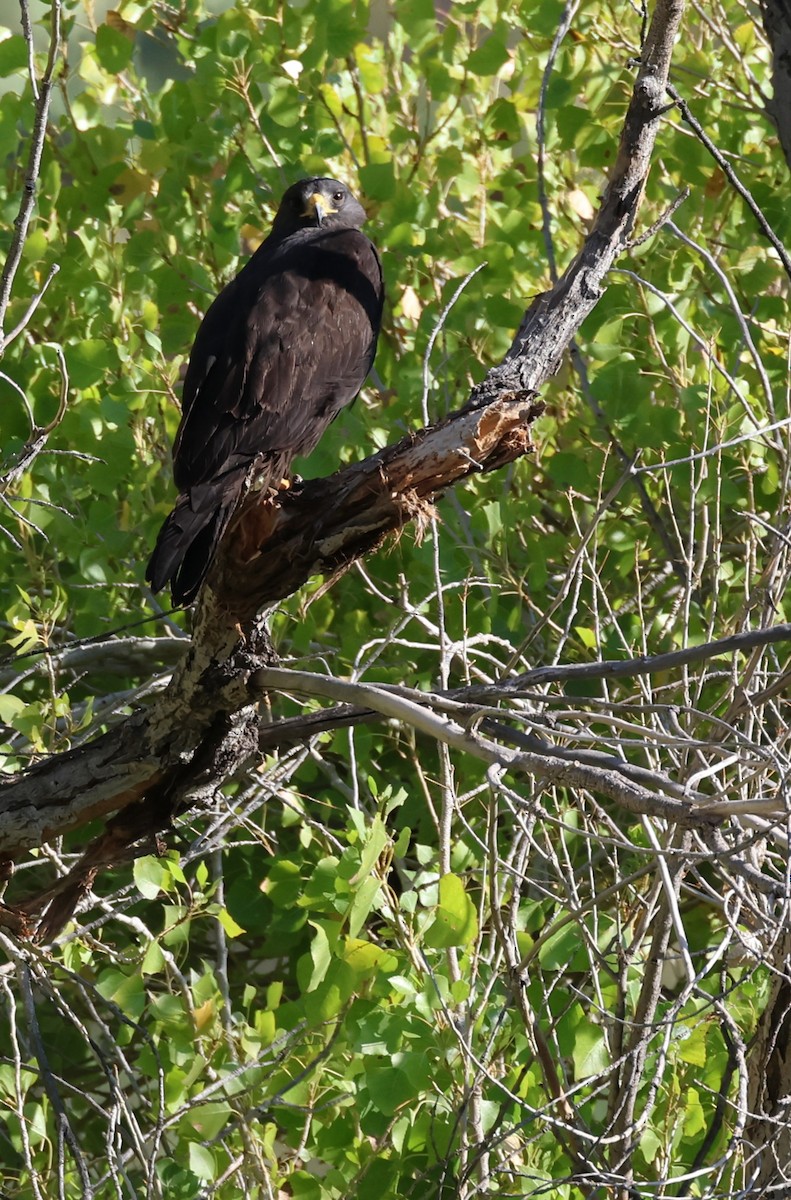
[(564, 25), (704, 348), (27, 203), (546, 767), (65, 1130), (39, 434), (662, 220), (732, 177), (25, 319), (643, 665), (754, 436), (714, 266)]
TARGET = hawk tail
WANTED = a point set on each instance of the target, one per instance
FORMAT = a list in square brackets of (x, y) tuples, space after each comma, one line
[(187, 543)]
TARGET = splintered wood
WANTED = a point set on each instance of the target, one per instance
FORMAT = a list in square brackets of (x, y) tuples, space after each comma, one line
[(277, 543)]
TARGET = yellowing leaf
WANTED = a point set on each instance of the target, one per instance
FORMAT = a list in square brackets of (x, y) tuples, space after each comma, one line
[(266, 1026), (586, 636), (455, 922), (694, 1117), (365, 958), (116, 21), (229, 925), (252, 237), (410, 304), (203, 1015), (579, 203), (28, 636)]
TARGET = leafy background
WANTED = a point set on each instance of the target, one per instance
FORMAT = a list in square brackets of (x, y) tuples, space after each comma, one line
[(309, 994)]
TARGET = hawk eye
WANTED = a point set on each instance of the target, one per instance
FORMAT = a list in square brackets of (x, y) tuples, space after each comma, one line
[(337, 197)]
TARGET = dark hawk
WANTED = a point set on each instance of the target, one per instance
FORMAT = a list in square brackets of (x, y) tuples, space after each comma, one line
[(284, 347)]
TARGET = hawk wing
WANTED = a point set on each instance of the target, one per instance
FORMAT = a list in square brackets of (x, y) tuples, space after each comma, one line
[(284, 347)]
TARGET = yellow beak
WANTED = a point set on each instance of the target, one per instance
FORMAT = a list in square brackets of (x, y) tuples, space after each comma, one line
[(318, 207)]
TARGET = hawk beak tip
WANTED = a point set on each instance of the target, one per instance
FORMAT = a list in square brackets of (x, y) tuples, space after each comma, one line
[(318, 209)]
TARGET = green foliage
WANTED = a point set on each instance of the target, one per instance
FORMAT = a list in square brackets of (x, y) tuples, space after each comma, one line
[(324, 980)]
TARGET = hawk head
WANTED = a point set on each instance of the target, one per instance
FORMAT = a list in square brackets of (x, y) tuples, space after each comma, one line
[(318, 203)]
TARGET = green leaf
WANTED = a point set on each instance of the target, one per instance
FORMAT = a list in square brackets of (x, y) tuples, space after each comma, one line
[(377, 840), (378, 180), (283, 884), (692, 1049), (321, 956), (590, 1051), (151, 877), (489, 56), (460, 990), (694, 1116), (559, 948), (328, 999), (365, 958), (201, 1162), (586, 636), (113, 49), (88, 361), (10, 707), (403, 985), (153, 960), (207, 1120), (389, 1088), (364, 899), (304, 1186), (13, 55), (455, 920), (402, 842), (233, 34), (27, 637), (127, 991), (650, 1144)]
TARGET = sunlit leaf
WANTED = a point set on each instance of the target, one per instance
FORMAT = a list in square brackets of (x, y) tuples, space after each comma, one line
[(455, 921)]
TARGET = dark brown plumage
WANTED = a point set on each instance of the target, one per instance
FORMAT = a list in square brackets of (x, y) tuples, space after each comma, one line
[(284, 347)]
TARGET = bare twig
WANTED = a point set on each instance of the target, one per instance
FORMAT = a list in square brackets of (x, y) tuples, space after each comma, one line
[(647, 664), (732, 177), (43, 88)]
